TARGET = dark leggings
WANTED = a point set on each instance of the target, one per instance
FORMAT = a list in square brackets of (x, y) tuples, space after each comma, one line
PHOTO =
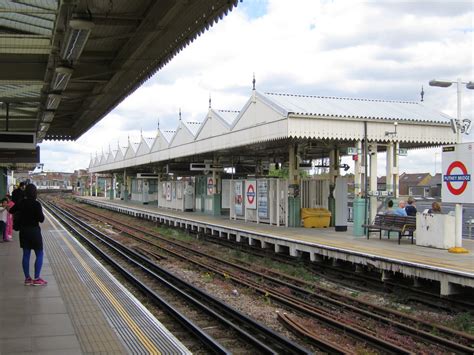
[(38, 262)]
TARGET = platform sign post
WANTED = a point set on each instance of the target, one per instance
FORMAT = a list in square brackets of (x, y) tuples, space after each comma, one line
[(457, 185)]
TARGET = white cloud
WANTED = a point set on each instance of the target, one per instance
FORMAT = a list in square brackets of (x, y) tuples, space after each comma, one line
[(378, 49)]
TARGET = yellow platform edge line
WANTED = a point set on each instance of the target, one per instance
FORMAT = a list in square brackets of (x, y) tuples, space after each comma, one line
[(117, 305)]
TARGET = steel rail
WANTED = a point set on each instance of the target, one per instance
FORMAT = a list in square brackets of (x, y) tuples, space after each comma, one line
[(282, 344), (403, 327), (360, 334), (311, 335), (211, 343)]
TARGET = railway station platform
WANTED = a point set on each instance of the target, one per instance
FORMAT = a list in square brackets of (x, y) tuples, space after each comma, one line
[(82, 310), (454, 272)]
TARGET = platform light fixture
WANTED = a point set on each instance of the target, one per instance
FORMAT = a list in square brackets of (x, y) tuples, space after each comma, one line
[(47, 116), (394, 132), (52, 101), (76, 37), (44, 127), (61, 78), (440, 83)]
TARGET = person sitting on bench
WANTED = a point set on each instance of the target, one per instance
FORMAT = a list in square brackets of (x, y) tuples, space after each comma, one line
[(389, 209), (400, 211)]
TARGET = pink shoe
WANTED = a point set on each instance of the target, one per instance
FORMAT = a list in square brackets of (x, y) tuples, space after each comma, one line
[(39, 282), (28, 281)]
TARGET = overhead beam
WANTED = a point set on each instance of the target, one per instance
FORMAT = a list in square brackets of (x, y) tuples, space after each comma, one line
[(19, 99), (24, 68)]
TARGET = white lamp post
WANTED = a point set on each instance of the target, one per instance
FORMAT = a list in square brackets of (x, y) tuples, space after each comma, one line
[(458, 127)]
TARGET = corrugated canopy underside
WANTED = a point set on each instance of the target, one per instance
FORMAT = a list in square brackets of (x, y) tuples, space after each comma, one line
[(126, 43)]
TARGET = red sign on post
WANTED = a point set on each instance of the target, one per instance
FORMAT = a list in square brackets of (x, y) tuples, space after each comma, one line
[(458, 165), (251, 194), (450, 177), (210, 186)]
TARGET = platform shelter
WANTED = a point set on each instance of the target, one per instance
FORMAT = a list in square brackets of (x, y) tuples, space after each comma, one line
[(274, 131)]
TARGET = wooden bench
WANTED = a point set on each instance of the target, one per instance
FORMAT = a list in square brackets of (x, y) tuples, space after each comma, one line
[(403, 225)]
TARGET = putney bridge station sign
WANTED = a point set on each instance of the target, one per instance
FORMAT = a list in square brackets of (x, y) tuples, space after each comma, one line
[(458, 166)]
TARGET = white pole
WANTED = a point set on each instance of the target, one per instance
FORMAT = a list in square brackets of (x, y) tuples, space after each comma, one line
[(373, 181), (396, 176), (389, 168), (458, 209), (357, 170)]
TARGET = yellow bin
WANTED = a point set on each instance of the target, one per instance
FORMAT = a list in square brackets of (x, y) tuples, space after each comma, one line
[(315, 217)]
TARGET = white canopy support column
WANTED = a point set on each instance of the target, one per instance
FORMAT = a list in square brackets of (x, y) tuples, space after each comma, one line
[(373, 180), (358, 170), (396, 179), (333, 173), (96, 184), (90, 187), (124, 186), (389, 167), (292, 169), (293, 200), (114, 186), (333, 165)]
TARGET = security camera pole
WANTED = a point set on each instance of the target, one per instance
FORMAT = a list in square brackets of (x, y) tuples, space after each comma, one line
[(458, 128)]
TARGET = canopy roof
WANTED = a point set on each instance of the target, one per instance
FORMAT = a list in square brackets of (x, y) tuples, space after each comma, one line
[(262, 130), (65, 64), (356, 108)]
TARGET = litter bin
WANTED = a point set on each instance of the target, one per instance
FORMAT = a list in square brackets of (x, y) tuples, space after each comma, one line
[(315, 217)]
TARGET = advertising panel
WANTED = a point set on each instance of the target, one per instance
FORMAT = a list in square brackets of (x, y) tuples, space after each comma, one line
[(179, 190), (239, 199), (262, 198), (168, 191)]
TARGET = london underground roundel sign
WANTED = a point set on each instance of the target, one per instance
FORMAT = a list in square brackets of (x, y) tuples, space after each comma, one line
[(451, 177), (458, 165), (251, 194)]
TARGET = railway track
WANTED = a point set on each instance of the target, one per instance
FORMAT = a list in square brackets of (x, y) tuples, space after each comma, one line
[(223, 325), (357, 280), (324, 304)]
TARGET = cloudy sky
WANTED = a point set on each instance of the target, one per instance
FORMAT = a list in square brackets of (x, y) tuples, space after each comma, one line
[(346, 48)]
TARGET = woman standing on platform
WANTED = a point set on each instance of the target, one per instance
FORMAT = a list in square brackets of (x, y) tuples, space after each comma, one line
[(3, 220), (31, 215)]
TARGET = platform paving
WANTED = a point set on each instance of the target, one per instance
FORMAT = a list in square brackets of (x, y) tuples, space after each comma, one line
[(72, 314), (33, 320)]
